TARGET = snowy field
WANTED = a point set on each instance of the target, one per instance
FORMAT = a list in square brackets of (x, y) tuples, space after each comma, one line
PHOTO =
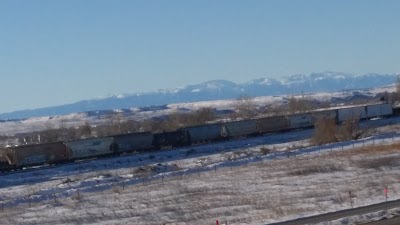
[(259, 180), (249, 181)]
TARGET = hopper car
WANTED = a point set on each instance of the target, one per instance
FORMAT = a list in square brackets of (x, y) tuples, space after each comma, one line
[(12, 158)]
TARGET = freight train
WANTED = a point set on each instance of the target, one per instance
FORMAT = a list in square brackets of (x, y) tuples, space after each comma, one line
[(13, 158)]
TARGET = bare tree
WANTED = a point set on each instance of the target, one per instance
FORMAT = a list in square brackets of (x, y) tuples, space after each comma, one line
[(176, 120), (300, 104), (246, 107), (204, 115), (113, 125), (84, 130), (395, 96), (398, 84), (130, 126)]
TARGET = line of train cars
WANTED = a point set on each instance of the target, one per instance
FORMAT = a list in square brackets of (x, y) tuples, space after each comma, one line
[(59, 152)]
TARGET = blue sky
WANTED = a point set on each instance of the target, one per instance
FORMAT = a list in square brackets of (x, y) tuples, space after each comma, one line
[(57, 52)]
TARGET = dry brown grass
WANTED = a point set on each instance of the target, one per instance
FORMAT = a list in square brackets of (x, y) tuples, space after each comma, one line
[(370, 150), (379, 163), (304, 166), (313, 169)]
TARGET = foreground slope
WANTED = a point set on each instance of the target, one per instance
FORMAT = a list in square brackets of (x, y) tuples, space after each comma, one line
[(238, 181)]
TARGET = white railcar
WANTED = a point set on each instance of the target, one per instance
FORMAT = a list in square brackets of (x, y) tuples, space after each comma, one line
[(358, 112), (90, 147)]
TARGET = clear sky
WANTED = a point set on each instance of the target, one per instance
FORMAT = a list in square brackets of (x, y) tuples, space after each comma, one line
[(55, 52)]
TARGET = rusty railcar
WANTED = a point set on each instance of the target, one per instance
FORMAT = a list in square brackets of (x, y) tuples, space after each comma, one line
[(273, 124), (38, 154)]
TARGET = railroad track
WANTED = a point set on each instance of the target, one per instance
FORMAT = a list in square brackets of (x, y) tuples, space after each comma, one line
[(346, 213), (391, 221), (36, 168)]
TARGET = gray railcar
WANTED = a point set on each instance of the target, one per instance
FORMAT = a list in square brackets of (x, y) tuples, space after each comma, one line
[(30, 155), (272, 124), (357, 112), (300, 121), (203, 133), (324, 115), (239, 128), (133, 142), (90, 147), (379, 110)]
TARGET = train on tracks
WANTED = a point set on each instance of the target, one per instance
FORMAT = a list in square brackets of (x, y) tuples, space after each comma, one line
[(13, 158)]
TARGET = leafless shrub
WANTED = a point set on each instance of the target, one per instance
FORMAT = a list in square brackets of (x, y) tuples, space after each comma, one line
[(176, 120), (203, 115), (317, 194), (116, 189), (265, 151), (340, 198), (324, 131), (300, 104), (394, 96), (350, 130), (143, 171), (175, 167), (245, 107), (78, 196)]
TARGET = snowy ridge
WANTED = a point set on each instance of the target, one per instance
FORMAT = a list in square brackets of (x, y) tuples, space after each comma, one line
[(218, 90)]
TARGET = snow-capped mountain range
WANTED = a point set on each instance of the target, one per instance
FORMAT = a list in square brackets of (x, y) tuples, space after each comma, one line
[(218, 90)]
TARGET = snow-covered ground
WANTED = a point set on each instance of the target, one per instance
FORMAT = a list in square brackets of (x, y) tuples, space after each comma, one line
[(259, 180), (248, 181)]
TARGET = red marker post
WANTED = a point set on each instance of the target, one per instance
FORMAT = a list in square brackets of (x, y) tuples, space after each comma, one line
[(386, 195), (386, 192), (217, 222)]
